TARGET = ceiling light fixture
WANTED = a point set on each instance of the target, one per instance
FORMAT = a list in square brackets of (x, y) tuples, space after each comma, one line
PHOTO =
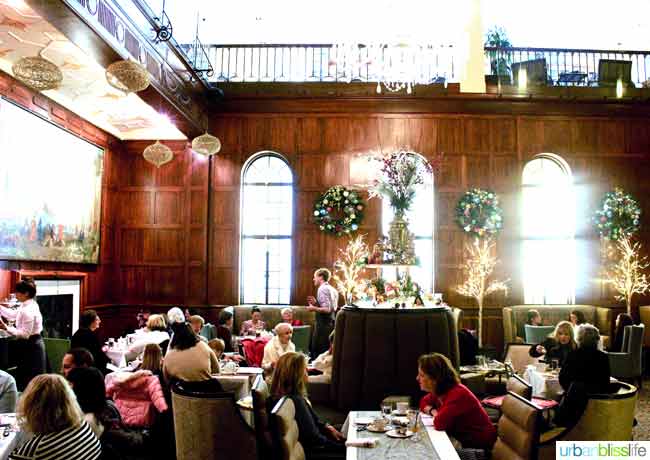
[(127, 76), (158, 154)]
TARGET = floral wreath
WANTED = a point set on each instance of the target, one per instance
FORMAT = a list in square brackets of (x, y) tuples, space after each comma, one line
[(618, 216), (478, 212), (349, 206)]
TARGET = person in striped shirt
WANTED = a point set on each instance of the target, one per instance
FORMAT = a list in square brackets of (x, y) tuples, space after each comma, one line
[(49, 411)]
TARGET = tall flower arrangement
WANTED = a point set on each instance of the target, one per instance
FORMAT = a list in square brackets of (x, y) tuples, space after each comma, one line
[(349, 266), (400, 172), (479, 265), (627, 274)]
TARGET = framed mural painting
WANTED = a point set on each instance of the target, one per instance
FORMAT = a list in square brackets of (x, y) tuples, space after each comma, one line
[(50, 190)]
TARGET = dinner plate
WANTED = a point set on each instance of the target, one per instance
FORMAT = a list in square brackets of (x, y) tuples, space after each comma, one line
[(396, 434), (399, 412), (374, 429), (363, 420)]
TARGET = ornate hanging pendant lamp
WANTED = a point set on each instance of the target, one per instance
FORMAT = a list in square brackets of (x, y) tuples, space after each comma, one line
[(158, 154), (38, 73), (127, 76), (206, 144)]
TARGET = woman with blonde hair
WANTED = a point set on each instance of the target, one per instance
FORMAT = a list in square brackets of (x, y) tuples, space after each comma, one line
[(558, 346), (290, 380), (49, 410), (155, 332)]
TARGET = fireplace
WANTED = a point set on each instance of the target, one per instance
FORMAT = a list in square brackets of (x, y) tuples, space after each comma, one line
[(59, 302)]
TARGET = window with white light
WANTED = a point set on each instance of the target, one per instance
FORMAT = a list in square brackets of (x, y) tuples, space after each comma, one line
[(421, 223), (549, 250), (266, 230)]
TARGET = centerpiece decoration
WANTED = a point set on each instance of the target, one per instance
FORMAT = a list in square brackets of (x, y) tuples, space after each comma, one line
[(479, 265), (399, 174), (478, 213), (339, 211), (619, 215), (626, 275), (348, 268)]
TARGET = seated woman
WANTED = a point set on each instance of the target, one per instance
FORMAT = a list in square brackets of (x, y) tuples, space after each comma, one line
[(224, 330), (155, 332), (323, 364), (139, 395), (533, 318), (585, 371), (86, 337), (197, 322), (88, 386), (290, 379), (455, 408), (49, 410), (557, 347), (279, 345), (576, 318), (253, 325), (287, 317), (622, 320), (188, 359)]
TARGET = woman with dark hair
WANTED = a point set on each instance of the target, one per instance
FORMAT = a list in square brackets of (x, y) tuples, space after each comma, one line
[(189, 359), (253, 325), (622, 320), (88, 385), (576, 317), (290, 379), (224, 330), (29, 324), (454, 407), (86, 337)]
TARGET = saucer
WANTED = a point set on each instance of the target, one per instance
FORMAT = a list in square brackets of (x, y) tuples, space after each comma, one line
[(399, 412), (395, 434), (373, 429), (363, 420)]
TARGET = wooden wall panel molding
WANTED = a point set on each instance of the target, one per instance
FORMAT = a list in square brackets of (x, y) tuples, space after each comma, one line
[(100, 277)]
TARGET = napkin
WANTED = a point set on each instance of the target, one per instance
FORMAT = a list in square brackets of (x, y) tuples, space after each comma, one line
[(362, 442), (427, 420)]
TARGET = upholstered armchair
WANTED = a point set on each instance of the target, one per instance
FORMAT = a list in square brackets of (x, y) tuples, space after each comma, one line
[(209, 426), (518, 430), (537, 334), (260, 394), (607, 416), (285, 428), (628, 363)]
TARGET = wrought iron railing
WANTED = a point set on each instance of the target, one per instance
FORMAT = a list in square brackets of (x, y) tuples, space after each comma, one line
[(569, 67), (198, 58), (318, 63)]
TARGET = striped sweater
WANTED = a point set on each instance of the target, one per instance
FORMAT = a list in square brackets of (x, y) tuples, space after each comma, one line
[(76, 443)]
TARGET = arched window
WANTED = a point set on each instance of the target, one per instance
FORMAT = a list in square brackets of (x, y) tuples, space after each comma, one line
[(421, 223), (266, 228), (549, 251)]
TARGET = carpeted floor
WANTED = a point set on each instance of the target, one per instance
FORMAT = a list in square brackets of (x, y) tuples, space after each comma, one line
[(642, 430)]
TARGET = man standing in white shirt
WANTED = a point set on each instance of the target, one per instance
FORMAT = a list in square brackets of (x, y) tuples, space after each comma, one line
[(325, 305)]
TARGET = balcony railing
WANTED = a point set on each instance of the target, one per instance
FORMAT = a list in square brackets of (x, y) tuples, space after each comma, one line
[(317, 63), (569, 67)]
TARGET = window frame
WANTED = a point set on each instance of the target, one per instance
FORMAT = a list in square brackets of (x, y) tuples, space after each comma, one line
[(570, 236), (242, 237)]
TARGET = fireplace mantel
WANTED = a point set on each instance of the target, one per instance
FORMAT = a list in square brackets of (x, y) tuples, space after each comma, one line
[(16, 276)]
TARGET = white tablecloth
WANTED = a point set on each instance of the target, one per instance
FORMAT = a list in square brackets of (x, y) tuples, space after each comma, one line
[(9, 443), (545, 384)]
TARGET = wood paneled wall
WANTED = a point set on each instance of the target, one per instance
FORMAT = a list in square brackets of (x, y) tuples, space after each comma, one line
[(100, 277)]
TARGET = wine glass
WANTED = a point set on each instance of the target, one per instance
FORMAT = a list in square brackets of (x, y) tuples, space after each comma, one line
[(386, 410)]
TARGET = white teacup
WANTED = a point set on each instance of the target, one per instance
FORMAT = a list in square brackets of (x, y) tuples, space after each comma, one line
[(402, 407), (379, 423), (230, 368)]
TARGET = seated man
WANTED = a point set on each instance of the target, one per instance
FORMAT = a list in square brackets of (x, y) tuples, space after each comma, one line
[(76, 357), (8, 393)]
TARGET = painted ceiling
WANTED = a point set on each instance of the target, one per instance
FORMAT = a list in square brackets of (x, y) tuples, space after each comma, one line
[(84, 89)]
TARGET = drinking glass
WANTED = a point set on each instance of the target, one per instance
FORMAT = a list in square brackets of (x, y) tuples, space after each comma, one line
[(481, 361), (386, 409), (555, 364), (413, 425)]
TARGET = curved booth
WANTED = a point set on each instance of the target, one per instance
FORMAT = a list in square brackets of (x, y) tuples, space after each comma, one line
[(376, 352)]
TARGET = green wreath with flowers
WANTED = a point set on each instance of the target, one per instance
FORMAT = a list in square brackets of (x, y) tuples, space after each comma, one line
[(339, 211), (619, 215), (478, 212)]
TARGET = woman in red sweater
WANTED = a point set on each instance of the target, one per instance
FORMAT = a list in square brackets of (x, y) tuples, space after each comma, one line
[(454, 407)]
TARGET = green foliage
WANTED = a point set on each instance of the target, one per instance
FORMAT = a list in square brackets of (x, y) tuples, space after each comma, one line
[(500, 62)]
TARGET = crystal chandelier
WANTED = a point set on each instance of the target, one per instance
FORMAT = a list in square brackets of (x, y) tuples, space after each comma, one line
[(396, 66), (158, 154)]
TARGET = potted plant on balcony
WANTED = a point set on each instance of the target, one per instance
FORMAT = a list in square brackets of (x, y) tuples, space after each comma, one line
[(497, 37)]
